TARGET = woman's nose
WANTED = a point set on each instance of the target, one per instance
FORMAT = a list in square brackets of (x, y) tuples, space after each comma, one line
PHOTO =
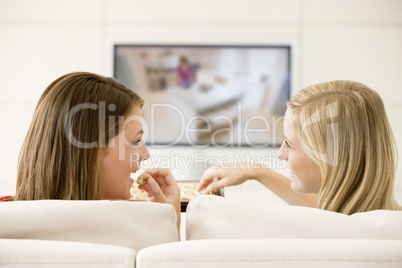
[(282, 154), (145, 154)]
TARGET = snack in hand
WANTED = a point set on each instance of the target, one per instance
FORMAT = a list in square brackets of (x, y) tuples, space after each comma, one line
[(143, 178)]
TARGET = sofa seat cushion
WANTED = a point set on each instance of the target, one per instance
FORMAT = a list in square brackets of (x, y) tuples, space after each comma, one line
[(44, 253), (273, 253), (123, 223), (212, 217)]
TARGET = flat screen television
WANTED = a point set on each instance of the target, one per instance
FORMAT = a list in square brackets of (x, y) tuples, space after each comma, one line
[(203, 95)]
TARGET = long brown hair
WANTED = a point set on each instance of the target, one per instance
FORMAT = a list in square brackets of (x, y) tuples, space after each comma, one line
[(76, 115), (344, 128)]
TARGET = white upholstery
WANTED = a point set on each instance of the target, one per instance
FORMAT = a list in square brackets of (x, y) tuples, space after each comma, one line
[(123, 223), (273, 253), (18, 253), (213, 217), (221, 232)]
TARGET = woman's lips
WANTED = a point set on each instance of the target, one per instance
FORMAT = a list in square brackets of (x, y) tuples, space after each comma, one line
[(292, 174)]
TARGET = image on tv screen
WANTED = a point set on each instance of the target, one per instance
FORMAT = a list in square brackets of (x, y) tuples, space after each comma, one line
[(208, 95)]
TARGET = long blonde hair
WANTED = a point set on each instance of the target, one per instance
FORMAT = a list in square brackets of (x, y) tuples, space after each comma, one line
[(344, 128), (59, 160)]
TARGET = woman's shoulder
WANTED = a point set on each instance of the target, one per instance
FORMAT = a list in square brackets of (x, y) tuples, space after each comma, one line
[(5, 197)]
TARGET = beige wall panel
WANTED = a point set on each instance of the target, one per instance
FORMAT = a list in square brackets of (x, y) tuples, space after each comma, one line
[(15, 120), (369, 55), (199, 31), (42, 10), (352, 11), (33, 56), (394, 116), (207, 10)]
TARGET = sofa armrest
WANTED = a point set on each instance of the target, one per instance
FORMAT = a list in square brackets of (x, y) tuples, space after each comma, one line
[(44, 253), (233, 253)]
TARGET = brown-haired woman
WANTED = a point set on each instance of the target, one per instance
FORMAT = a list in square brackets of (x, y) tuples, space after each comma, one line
[(84, 141)]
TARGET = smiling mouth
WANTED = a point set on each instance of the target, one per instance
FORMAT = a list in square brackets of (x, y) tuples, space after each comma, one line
[(291, 172)]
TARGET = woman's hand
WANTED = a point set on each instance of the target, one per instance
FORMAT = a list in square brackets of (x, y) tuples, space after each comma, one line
[(227, 175), (163, 189)]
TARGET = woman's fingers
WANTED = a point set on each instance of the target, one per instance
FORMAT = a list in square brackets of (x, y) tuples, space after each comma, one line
[(163, 173), (163, 176), (156, 192), (208, 177), (146, 189), (152, 188), (216, 185)]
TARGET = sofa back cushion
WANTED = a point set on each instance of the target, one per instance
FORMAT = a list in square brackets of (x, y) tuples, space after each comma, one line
[(123, 223), (211, 217)]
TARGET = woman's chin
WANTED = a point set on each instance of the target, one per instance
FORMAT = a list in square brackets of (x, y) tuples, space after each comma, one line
[(295, 187), (127, 196)]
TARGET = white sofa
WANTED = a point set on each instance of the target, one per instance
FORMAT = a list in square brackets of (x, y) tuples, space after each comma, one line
[(219, 233)]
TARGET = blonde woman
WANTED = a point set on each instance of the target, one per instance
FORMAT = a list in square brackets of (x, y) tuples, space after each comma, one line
[(84, 141), (339, 148)]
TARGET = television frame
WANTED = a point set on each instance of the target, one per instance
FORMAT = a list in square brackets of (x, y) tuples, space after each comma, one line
[(247, 41)]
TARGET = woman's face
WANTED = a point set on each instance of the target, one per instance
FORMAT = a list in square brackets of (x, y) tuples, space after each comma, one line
[(121, 157), (305, 174)]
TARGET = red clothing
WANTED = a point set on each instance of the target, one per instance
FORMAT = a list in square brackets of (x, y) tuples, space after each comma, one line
[(5, 198)]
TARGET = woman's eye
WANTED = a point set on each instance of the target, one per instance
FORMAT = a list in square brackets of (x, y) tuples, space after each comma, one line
[(137, 142), (287, 144)]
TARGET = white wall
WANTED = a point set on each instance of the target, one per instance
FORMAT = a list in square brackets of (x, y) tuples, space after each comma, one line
[(43, 39)]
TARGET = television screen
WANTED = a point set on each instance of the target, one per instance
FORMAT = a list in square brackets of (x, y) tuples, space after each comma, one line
[(209, 95)]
